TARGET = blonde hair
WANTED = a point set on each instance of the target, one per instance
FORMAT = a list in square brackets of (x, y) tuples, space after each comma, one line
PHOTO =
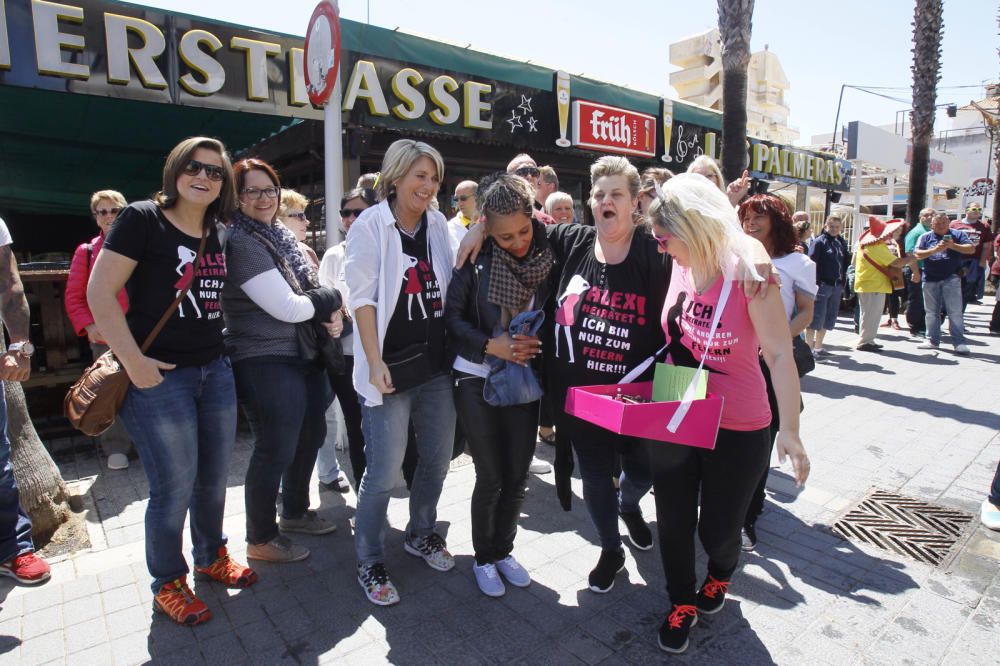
[(708, 164), (698, 213), (223, 207), (399, 158), (291, 199), (614, 165), (111, 195), (548, 174)]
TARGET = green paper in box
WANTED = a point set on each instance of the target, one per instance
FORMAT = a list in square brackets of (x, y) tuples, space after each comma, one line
[(670, 382)]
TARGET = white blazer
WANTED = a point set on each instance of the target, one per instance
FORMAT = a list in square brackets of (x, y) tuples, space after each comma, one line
[(374, 272)]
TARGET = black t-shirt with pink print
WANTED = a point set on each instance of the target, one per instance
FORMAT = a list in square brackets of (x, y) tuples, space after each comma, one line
[(165, 264), (606, 318), (419, 313)]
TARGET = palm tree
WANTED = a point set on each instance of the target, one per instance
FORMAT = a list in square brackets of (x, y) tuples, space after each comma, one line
[(734, 31), (928, 25)]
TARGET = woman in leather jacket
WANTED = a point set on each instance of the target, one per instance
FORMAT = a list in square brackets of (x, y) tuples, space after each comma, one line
[(510, 278)]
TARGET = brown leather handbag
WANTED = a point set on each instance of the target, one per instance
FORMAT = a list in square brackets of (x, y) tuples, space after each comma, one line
[(92, 403)]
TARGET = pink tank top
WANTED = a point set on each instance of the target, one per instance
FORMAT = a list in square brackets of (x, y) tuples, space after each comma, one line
[(732, 361)]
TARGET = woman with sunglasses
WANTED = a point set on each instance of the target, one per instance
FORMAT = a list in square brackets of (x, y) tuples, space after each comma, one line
[(104, 206), (292, 214), (331, 275), (271, 287), (695, 223), (181, 407)]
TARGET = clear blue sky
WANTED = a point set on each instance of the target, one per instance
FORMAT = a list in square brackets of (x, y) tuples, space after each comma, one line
[(821, 44)]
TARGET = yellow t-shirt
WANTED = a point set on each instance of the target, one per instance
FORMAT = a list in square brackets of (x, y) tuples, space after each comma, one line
[(867, 278)]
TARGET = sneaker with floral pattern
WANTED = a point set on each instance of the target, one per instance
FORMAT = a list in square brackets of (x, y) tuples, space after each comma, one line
[(432, 549), (374, 579)]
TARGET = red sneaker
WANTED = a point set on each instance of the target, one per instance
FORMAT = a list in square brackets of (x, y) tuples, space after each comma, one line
[(26, 568), (177, 601), (227, 571)]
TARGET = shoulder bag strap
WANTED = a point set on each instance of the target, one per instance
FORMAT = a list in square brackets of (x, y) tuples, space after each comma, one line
[(180, 297), (882, 270)]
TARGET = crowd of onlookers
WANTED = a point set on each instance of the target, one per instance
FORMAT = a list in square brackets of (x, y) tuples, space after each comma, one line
[(437, 336)]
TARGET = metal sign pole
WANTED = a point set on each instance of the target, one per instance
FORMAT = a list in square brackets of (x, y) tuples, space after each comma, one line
[(333, 165)]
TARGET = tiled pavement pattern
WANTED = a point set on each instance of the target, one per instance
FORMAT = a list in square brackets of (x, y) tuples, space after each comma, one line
[(916, 422)]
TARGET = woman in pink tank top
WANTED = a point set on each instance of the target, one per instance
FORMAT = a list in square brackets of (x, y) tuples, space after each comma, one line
[(694, 223)]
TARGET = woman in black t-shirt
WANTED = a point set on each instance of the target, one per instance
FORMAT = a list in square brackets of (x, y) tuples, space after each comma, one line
[(181, 408)]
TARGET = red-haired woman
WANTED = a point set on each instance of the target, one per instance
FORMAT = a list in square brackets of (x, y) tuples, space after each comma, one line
[(270, 287), (765, 217)]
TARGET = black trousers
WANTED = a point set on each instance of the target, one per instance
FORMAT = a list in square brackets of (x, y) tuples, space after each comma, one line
[(725, 478), (501, 441), (915, 315), (757, 501), (343, 388)]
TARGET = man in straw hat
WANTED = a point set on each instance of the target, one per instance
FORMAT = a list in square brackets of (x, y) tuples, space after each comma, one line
[(872, 280), (942, 251)]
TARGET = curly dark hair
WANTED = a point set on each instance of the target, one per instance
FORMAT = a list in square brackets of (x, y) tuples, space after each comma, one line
[(783, 234)]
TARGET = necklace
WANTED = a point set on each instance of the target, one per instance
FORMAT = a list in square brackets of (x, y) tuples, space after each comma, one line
[(409, 234)]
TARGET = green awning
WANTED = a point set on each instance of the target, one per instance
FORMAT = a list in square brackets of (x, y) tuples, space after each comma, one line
[(57, 148)]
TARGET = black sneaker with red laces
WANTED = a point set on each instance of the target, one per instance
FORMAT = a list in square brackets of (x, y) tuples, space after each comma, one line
[(712, 595), (673, 636)]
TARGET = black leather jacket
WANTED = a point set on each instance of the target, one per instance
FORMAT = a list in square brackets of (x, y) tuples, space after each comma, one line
[(469, 316)]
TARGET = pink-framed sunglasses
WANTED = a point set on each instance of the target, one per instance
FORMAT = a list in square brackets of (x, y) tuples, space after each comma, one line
[(663, 240)]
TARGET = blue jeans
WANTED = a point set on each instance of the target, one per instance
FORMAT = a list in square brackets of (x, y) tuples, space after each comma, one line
[(183, 430), (285, 401), (596, 450), (15, 526), (946, 293), (432, 410), (827, 307)]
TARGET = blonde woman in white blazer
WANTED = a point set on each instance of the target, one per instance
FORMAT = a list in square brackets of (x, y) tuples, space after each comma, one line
[(398, 264)]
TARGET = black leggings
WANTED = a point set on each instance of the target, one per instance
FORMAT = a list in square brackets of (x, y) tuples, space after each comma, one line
[(502, 441), (895, 298), (343, 388), (726, 478)]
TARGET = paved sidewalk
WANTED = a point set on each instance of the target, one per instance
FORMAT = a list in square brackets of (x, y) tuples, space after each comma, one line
[(921, 423)]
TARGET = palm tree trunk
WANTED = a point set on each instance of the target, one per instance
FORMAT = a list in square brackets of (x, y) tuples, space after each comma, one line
[(41, 487), (928, 26), (734, 30)]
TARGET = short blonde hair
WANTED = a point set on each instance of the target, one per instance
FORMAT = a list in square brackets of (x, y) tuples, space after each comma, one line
[(555, 198), (291, 199), (399, 158), (614, 165), (548, 174), (111, 195), (708, 164)]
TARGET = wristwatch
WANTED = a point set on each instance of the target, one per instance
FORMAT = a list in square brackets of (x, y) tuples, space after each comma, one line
[(22, 347)]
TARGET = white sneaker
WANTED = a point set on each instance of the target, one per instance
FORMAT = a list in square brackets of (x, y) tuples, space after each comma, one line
[(489, 580), (118, 461), (928, 345), (989, 515), (962, 349), (515, 574), (539, 466)]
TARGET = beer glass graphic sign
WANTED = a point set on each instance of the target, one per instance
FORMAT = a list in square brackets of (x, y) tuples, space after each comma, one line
[(562, 104)]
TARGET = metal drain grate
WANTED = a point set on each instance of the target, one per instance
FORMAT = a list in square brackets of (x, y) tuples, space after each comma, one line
[(926, 532)]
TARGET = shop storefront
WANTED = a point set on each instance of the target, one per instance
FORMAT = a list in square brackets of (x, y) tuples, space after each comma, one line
[(93, 94)]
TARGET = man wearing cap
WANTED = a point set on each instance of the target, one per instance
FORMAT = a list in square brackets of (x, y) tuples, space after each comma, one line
[(942, 251), (872, 280), (977, 265)]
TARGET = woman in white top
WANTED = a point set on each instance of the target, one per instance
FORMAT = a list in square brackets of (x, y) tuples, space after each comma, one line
[(331, 274), (398, 264), (765, 217)]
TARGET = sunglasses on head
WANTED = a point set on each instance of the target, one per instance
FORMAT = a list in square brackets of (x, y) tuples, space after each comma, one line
[(663, 240), (527, 171), (298, 216), (351, 212), (101, 212), (212, 172)]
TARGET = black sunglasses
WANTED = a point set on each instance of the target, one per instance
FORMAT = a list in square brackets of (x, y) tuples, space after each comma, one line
[(298, 216), (212, 172), (351, 212), (526, 171), (463, 198), (101, 212)]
